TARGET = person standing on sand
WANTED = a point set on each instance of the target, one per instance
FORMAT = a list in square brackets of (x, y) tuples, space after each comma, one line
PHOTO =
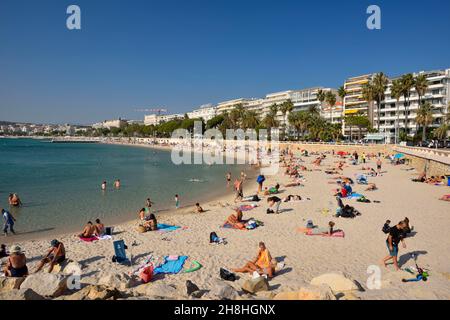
[(238, 187), (8, 222), (177, 202), (228, 178), (395, 236), (379, 163)]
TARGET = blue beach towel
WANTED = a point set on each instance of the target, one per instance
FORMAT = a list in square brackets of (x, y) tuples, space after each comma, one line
[(355, 196), (171, 266), (166, 227)]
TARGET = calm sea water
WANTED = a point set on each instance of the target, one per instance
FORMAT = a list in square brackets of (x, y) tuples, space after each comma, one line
[(59, 184)]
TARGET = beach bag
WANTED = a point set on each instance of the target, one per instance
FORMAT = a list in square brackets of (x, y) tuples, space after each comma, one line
[(251, 225), (255, 198), (227, 275), (213, 237), (146, 274)]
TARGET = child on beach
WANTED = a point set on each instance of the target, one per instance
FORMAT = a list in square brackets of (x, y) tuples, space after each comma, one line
[(177, 202)]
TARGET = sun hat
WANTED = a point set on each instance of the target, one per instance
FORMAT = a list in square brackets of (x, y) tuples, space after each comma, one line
[(15, 249)]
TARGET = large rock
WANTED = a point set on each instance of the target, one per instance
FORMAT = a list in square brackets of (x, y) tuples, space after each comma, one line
[(46, 284), (322, 292), (338, 282), (157, 290), (93, 292), (120, 281), (72, 268), (9, 283), (223, 291), (255, 285), (21, 294)]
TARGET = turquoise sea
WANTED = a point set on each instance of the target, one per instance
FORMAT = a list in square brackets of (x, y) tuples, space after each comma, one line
[(59, 184)]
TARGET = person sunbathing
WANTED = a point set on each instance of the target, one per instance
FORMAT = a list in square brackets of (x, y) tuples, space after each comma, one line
[(445, 197), (88, 231), (151, 224), (422, 177), (371, 187), (16, 265), (263, 263), (56, 255), (236, 220), (99, 228), (198, 208), (292, 198)]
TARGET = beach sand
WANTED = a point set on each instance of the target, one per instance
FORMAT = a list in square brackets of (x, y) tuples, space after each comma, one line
[(305, 257)]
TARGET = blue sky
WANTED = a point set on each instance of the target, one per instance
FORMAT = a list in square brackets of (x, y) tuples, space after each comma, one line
[(181, 54)]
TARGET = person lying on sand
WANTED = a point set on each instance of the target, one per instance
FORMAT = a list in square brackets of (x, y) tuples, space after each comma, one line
[(292, 198), (263, 263), (56, 255), (198, 208), (88, 231), (236, 220), (371, 187), (421, 178), (445, 197)]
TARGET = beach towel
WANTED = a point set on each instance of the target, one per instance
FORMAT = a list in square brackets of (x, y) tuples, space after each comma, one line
[(163, 228), (171, 266), (91, 239), (355, 196), (336, 234), (105, 237), (247, 207)]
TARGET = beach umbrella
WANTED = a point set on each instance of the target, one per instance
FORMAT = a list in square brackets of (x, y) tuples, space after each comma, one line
[(399, 156)]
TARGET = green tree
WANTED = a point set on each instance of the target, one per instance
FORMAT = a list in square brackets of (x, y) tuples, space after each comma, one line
[(396, 93), (379, 86), (330, 98), (285, 108), (421, 86), (215, 121), (407, 82), (368, 94), (424, 117), (250, 120)]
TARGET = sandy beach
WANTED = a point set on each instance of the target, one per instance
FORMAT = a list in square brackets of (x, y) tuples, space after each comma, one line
[(305, 257)]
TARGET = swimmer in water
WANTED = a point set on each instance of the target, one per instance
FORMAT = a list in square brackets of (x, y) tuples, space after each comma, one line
[(104, 185), (117, 184)]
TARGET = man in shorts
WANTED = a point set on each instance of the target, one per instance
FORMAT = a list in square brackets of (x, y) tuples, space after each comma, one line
[(56, 255), (395, 236)]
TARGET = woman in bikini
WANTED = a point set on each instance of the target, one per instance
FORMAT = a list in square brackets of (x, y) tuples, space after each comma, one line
[(262, 263)]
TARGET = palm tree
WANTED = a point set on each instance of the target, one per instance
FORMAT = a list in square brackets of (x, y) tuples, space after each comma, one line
[(250, 120), (396, 92), (270, 121), (379, 86), (342, 93), (321, 96), (285, 108), (424, 117), (407, 82), (330, 97), (314, 111), (421, 86), (369, 95)]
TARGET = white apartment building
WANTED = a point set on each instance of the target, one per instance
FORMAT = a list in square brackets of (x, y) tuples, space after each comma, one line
[(108, 124), (156, 119), (438, 94), (206, 112)]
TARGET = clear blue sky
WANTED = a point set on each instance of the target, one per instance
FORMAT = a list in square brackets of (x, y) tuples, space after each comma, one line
[(181, 54)]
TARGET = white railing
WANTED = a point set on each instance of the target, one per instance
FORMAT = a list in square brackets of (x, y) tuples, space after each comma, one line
[(438, 155)]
